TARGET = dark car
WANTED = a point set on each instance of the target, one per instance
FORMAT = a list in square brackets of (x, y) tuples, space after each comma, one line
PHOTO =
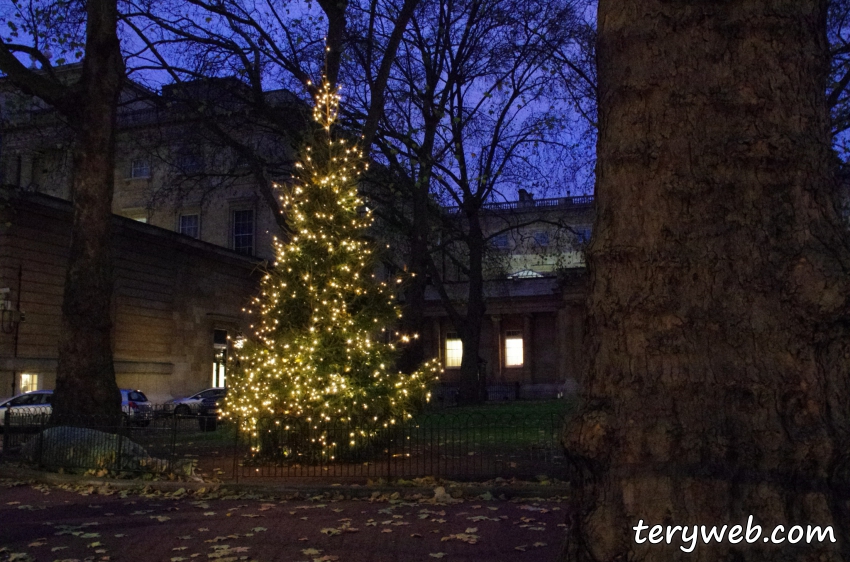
[(208, 411)]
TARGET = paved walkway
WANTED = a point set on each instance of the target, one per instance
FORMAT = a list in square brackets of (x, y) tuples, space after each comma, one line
[(75, 523)]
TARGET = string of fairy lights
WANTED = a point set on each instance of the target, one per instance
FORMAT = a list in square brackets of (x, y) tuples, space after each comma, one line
[(321, 351)]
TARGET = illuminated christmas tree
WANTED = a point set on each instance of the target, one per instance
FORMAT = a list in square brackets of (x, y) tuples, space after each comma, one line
[(322, 351)]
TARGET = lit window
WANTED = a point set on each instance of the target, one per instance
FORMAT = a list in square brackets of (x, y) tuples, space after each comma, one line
[(29, 382), (454, 350), (243, 231), (189, 225), (513, 349), (140, 168), (219, 374)]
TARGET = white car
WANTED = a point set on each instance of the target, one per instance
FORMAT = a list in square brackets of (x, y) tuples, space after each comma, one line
[(191, 405), (136, 407), (27, 407)]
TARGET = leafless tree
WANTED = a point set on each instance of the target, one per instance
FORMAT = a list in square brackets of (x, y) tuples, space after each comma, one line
[(46, 33), (472, 101), (266, 48)]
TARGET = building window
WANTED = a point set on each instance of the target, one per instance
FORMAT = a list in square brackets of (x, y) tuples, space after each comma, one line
[(542, 238), (513, 349), (140, 168), (219, 374), (583, 234), (190, 163), (29, 382), (243, 231), (500, 241), (189, 225), (454, 350)]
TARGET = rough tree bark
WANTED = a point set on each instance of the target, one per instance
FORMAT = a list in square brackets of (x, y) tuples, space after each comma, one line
[(85, 377), (718, 309), (471, 387)]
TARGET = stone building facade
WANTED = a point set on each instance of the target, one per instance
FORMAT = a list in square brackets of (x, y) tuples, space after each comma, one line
[(531, 344), (192, 230), (176, 300)]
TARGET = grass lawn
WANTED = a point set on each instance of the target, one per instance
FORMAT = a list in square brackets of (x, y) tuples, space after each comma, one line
[(519, 408), (513, 423)]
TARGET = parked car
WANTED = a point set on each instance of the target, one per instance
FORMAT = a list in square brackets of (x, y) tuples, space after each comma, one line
[(134, 404), (136, 407), (208, 412), (191, 405), (27, 407)]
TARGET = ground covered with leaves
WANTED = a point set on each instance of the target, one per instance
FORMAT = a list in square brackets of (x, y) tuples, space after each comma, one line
[(83, 523)]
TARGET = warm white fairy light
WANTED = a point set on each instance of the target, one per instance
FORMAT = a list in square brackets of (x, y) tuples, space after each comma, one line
[(314, 356)]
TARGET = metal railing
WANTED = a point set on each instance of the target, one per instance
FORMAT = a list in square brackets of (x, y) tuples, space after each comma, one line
[(458, 446), (527, 204), (462, 445), (85, 442)]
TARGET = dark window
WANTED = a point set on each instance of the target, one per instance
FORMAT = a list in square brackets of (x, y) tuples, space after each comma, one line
[(500, 241), (190, 163), (542, 238), (136, 396), (26, 400), (190, 225), (140, 168), (583, 234), (48, 398), (243, 231), (220, 337)]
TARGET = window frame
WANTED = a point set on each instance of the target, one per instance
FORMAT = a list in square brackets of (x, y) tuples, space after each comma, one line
[(135, 171), (510, 351), (453, 357), (180, 229), (33, 382), (500, 241), (239, 249), (190, 162), (541, 238), (583, 234)]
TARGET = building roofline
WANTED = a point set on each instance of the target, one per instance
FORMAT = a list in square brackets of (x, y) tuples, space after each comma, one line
[(523, 205), (63, 206)]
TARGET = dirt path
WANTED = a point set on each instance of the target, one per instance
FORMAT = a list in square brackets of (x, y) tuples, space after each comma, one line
[(41, 523)]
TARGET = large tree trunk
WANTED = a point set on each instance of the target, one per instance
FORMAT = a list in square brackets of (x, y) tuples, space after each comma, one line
[(85, 378), (718, 313), (413, 320), (472, 388)]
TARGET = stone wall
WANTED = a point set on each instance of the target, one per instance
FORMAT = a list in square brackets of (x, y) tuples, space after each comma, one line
[(170, 293)]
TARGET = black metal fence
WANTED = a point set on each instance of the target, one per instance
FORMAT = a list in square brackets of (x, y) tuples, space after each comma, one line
[(458, 445), (82, 442), (464, 446)]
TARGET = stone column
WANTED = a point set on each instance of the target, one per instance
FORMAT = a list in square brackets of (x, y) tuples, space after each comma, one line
[(528, 347), (498, 350), (437, 339), (561, 343)]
